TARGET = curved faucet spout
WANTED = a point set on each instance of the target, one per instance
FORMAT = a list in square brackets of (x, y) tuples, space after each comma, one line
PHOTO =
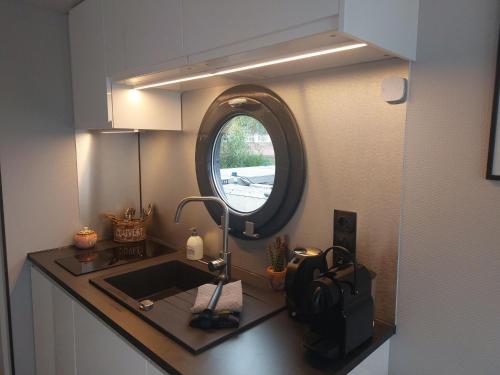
[(224, 264), (186, 200)]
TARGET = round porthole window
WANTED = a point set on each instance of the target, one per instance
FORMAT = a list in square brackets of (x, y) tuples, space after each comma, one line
[(250, 154), (243, 164)]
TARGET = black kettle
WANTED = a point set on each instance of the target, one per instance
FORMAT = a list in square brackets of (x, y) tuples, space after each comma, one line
[(306, 265)]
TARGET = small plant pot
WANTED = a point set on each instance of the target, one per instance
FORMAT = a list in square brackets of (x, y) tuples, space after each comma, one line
[(276, 279)]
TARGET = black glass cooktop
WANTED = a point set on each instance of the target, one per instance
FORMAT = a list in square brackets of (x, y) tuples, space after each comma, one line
[(95, 260)]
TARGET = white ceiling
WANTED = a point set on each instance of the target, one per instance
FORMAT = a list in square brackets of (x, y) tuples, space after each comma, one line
[(62, 6)]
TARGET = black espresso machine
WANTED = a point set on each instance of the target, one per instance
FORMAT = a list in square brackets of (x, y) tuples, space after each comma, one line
[(336, 302)]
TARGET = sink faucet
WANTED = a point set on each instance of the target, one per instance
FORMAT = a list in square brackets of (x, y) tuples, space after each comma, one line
[(222, 264)]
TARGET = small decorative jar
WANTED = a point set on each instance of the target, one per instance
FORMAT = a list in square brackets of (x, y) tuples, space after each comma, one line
[(85, 239)]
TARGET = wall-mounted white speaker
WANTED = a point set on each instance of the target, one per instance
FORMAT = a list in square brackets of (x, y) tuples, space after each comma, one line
[(393, 90)]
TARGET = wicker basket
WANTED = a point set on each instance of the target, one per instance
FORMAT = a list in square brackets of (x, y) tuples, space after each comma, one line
[(129, 229)]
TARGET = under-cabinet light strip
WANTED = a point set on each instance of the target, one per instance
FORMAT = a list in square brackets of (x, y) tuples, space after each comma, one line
[(119, 131), (255, 66)]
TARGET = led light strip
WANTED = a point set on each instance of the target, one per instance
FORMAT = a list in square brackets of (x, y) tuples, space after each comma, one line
[(119, 131), (255, 66)]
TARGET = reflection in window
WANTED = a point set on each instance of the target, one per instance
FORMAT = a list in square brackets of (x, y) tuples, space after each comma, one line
[(246, 166)]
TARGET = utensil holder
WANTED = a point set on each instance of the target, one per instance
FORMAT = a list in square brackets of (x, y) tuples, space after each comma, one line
[(129, 230)]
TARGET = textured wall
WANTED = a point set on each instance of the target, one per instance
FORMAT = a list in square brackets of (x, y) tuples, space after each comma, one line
[(37, 151), (354, 150), (449, 280)]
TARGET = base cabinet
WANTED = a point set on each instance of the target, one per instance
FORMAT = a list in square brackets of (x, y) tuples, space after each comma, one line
[(70, 340), (100, 353), (376, 363), (53, 327)]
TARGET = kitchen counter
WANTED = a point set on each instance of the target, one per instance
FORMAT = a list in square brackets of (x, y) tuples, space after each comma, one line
[(271, 347)]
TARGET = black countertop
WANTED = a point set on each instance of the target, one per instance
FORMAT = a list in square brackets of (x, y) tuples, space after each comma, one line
[(272, 347)]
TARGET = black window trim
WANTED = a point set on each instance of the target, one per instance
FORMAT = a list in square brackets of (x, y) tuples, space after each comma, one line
[(268, 108)]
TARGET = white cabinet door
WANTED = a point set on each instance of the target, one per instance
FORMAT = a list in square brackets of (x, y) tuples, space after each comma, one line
[(69, 340), (153, 32), (377, 363), (152, 109), (109, 37), (64, 333), (88, 66), (216, 23), (100, 351), (43, 323), (113, 16), (141, 34), (53, 327), (153, 370), (392, 24)]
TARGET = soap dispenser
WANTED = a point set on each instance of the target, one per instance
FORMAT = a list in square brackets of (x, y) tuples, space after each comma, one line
[(194, 246)]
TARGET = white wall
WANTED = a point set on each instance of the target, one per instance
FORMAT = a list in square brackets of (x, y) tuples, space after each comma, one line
[(5, 364), (354, 149), (449, 279), (37, 151), (2, 362)]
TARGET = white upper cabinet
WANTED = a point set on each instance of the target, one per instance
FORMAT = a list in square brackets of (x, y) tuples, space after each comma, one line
[(140, 43), (110, 37), (113, 36), (146, 109), (388, 24), (218, 28), (216, 23), (91, 86), (141, 35), (152, 32)]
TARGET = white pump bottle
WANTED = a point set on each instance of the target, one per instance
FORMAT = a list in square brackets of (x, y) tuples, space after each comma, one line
[(194, 246)]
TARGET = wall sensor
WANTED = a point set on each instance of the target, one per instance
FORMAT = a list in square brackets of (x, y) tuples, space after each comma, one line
[(393, 90)]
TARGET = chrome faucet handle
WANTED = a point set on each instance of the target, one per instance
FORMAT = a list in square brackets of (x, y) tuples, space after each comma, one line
[(216, 265)]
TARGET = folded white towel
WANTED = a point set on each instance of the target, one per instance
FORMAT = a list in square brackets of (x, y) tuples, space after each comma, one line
[(231, 298)]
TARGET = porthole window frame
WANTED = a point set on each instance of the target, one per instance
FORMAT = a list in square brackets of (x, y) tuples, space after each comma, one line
[(268, 108)]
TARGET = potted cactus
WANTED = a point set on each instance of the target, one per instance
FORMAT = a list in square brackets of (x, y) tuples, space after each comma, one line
[(276, 272)]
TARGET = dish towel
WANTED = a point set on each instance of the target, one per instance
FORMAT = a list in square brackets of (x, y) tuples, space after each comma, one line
[(230, 300)]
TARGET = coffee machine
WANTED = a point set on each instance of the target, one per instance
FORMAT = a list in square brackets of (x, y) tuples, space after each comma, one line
[(341, 307), (335, 301), (306, 265)]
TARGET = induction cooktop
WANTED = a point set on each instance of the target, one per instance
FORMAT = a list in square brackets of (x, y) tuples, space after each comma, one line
[(115, 255)]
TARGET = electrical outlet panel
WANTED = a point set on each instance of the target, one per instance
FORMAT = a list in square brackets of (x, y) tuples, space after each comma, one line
[(344, 232)]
